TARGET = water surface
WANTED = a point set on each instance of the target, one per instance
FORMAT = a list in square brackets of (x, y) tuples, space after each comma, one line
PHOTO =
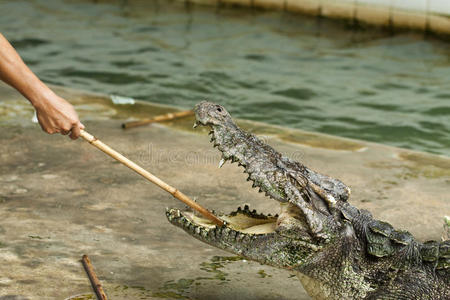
[(267, 66)]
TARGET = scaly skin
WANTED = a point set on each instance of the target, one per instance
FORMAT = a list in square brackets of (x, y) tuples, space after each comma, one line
[(337, 250)]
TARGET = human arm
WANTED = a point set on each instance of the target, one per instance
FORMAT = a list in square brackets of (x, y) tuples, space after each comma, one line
[(53, 112)]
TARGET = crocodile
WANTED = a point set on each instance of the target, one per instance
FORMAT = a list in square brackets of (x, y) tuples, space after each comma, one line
[(337, 250)]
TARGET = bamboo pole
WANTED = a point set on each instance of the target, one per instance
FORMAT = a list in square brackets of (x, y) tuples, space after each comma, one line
[(166, 117), (150, 177), (96, 285)]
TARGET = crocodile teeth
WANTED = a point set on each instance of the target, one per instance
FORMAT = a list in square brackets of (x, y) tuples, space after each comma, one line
[(196, 123), (221, 162)]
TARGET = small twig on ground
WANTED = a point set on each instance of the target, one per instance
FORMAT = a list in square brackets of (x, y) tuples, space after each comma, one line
[(166, 117), (96, 285)]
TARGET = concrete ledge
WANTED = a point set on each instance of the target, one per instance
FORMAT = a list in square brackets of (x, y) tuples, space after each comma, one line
[(337, 9), (439, 24), (379, 15), (309, 7), (397, 15), (270, 4)]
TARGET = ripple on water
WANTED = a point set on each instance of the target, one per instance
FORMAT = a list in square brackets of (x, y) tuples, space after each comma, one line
[(443, 96), (104, 77), (198, 86), (281, 105), (367, 93), (391, 86), (255, 57), (125, 63), (28, 43), (297, 93), (215, 75), (380, 106), (438, 111)]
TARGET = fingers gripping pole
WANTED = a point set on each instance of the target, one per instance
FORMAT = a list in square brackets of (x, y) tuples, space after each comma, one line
[(150, 177)]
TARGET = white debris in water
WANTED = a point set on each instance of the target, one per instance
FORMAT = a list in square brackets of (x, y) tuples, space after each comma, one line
[(122, 100)]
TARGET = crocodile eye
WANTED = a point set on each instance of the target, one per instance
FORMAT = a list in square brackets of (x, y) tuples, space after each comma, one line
[(219, 109)]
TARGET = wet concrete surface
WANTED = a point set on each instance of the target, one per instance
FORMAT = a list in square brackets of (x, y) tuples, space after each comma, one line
[(60, 199)]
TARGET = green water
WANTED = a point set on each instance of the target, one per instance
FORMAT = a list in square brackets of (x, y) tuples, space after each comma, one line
[(267, 66)]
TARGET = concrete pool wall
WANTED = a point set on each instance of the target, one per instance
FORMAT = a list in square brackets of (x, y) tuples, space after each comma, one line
[(423, 15)]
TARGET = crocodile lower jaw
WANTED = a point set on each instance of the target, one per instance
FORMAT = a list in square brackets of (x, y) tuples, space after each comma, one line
[(241, 221)]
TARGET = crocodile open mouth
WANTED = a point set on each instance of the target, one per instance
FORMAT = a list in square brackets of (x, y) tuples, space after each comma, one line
[(243, 221)]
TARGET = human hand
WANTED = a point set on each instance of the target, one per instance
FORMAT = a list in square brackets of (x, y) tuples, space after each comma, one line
[(53, 112), (56, 115)]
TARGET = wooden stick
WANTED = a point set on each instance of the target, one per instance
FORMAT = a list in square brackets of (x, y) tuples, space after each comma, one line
[(166, 117), (150, 177), (96, 285)]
